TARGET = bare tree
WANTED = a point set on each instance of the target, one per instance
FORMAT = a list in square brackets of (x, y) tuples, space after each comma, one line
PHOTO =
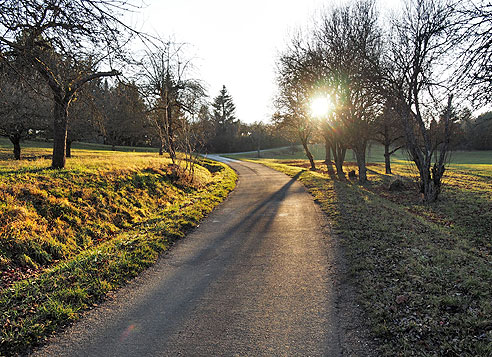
[(334, 131), (24, 109), (84, 116), (296, 77), (258, 131), (423, 38), (475, 30), (169, 92), (388, 131), (49, 32), (191, 137), (348, 45)]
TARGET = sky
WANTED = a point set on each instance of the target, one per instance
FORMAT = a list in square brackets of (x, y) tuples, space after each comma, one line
[(235, 43)]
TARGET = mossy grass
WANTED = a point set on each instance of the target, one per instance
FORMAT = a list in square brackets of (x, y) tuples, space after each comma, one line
[(423, 271), (86, 230)]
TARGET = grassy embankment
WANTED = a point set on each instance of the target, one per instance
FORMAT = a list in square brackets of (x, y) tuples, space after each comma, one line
[(423, 272), (67, 237)]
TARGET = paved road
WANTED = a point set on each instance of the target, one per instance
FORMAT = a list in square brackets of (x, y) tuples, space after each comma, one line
[(256, 278)]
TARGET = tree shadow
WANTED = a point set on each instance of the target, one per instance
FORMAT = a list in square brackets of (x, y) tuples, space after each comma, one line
[(25, 170)]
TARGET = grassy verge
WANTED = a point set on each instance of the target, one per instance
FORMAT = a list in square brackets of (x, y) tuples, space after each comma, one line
[(78, 233), (423, 272)]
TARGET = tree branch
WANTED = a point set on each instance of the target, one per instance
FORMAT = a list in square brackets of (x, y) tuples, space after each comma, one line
[(77, 84)]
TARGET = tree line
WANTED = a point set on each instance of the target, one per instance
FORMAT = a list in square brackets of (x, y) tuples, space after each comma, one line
[(68, 73), (402, 82)]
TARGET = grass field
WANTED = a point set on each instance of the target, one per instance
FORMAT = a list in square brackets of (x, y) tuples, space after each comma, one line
[(67, 237), (6, 148), (375, 154), (423, 272)]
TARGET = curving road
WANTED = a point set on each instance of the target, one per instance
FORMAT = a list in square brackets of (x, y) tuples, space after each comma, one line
[(256, 278)]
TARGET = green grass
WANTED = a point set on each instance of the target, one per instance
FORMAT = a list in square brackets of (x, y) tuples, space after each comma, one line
[(6, 147), (423, 272), (375, 154), (67, 237)]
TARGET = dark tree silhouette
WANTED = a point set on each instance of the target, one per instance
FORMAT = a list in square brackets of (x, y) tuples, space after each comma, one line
[(476, 33), (422, 40), (296, 78), (349, 45), (52, 35), (225, 121), (123, 115), (84, 116), (388, 131), (24, 105)]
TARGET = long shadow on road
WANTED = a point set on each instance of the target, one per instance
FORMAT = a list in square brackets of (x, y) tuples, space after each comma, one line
[(158, 313)]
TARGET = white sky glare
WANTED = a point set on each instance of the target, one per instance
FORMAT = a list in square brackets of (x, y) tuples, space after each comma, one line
[(235, 43)]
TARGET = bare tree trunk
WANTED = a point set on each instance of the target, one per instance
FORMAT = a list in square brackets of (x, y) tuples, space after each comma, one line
[(430, 179), (387, 159), (161, 147), (15, 140), (308, 154), (69, 148), (59, 134), (327, 150), (360, 154), (433, 184), (171, 150), (430, 187), (339, 152)]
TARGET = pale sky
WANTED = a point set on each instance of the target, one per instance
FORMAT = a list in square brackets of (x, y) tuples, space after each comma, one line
[(235, 42)]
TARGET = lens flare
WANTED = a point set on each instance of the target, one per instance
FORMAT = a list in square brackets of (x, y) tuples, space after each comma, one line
[(320, 106)]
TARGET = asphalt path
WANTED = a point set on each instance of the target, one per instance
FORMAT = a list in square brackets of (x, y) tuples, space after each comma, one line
[(258, 277)]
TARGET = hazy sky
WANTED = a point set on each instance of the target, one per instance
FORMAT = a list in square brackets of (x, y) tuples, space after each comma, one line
[(235, 42)]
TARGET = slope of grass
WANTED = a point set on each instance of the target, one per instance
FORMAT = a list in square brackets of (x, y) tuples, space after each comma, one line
[(423, 272), (69, 236)]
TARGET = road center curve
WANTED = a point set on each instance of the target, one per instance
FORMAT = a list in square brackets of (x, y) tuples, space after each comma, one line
[(257, 277)]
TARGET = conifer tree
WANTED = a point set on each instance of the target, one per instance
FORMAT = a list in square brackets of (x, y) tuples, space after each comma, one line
[(225, 122)]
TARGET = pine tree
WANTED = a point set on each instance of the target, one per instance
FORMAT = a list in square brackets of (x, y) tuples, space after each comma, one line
[(224, 108), (225, 122)]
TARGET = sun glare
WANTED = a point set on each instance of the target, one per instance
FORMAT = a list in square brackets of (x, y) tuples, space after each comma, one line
[(320, 106)]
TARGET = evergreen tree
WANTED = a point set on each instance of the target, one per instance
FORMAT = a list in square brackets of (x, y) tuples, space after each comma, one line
[(225, 122), (224, 108)]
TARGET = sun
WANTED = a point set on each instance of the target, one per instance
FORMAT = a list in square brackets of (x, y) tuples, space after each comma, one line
[(320, 106)]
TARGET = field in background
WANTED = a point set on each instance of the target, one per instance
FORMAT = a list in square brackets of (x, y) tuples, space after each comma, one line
[(375, 154), (423, 272), (69, 236), (29, 148)]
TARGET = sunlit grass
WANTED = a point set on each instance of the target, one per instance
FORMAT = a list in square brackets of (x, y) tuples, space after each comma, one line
[(69, 236), (374, 152)]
